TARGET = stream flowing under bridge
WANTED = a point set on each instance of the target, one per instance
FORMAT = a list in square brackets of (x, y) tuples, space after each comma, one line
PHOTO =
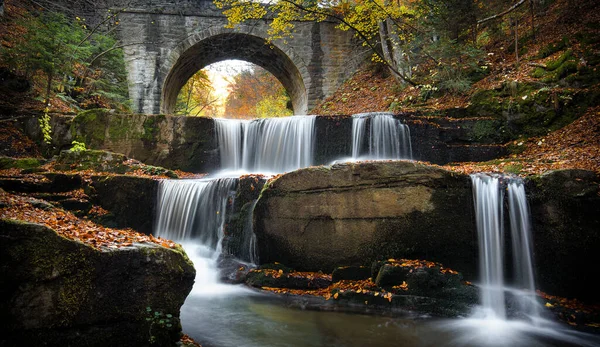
[(166, 42)]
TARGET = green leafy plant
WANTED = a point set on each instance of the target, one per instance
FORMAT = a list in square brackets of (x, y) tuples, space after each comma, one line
[(158, 320), (44, 122), (77, 146)]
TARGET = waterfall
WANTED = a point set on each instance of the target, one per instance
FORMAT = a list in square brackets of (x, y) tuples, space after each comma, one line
[(194, 209), (248, 251), (489, 201), (522, 245), (387, 138), (488, 215), (266, 145)]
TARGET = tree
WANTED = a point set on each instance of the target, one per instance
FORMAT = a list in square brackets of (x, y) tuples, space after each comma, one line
[(397, 33), (197, 96), (256, 93), (78, 62)]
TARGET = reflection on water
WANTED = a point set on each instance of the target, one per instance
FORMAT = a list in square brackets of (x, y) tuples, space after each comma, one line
[(220, 315), (249, 320)]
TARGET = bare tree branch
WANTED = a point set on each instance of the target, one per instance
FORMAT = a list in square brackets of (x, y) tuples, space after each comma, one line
[(502, 14)]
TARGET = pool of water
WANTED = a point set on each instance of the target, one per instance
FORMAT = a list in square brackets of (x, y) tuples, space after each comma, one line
[(221, 315)]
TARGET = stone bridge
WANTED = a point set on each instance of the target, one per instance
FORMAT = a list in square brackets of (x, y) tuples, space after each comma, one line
[(166, 42)]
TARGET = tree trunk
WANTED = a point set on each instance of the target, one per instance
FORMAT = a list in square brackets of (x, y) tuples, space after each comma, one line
[(531, 5), (392, 52), (517, 41), (48, 88)]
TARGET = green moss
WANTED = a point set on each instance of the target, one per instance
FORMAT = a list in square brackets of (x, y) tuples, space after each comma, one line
[(485, 129), (86, 127), (514, 168), (538, 73), (20, 163), (151, 127), (553, 47), (553, 65)]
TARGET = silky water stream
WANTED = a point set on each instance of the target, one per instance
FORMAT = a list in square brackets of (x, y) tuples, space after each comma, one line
[(193, 213)]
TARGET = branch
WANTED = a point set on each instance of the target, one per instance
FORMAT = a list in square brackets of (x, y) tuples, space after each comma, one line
[(502, 14), (359, 33), (117, 47)]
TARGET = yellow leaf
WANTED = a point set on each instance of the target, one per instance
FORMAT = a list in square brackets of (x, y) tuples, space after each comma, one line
[(335, 296), (549, 305)]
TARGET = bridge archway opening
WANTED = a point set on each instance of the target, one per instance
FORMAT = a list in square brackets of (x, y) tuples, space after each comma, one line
[(238, 46)]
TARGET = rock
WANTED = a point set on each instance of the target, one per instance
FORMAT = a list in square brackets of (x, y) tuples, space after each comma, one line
[(20, 163), (279, 279), (352, 214), (78, 205), (238, 239), (129, 198), (391, 275), (41, 204), (59, 292), (91, 160), (565, 222), (60, 182), (231, 270), (350, 273), (185, 143), (104, 161)]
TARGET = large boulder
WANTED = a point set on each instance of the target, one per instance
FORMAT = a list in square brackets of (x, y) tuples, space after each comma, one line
[(566, 232), (352, 214), (59, 292)]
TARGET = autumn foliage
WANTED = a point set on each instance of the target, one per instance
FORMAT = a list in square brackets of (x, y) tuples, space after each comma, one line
[(68, 225)]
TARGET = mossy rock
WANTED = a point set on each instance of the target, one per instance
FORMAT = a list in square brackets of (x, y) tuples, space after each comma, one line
[(60, 292), (104, 161), (91, 160), (20, 163)]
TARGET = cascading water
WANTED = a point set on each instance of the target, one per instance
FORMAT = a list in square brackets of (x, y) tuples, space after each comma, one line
[(271, 145), (194, 209), (522, 248), (489, 204), (387, 138), (493, 325), (488, 213)]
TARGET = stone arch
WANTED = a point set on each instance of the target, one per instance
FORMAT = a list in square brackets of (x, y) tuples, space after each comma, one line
[(213, 45)]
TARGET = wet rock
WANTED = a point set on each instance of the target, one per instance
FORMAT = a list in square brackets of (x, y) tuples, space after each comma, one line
[(58, 292), (351, 273), (279, 279), (129, 198), (565, 223), (233, 271), (353, 214)]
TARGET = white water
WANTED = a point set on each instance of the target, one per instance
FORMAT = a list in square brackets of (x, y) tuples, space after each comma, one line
[(387, 137), (489, 218), (271, 145), (522, 249), (194, 209)]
